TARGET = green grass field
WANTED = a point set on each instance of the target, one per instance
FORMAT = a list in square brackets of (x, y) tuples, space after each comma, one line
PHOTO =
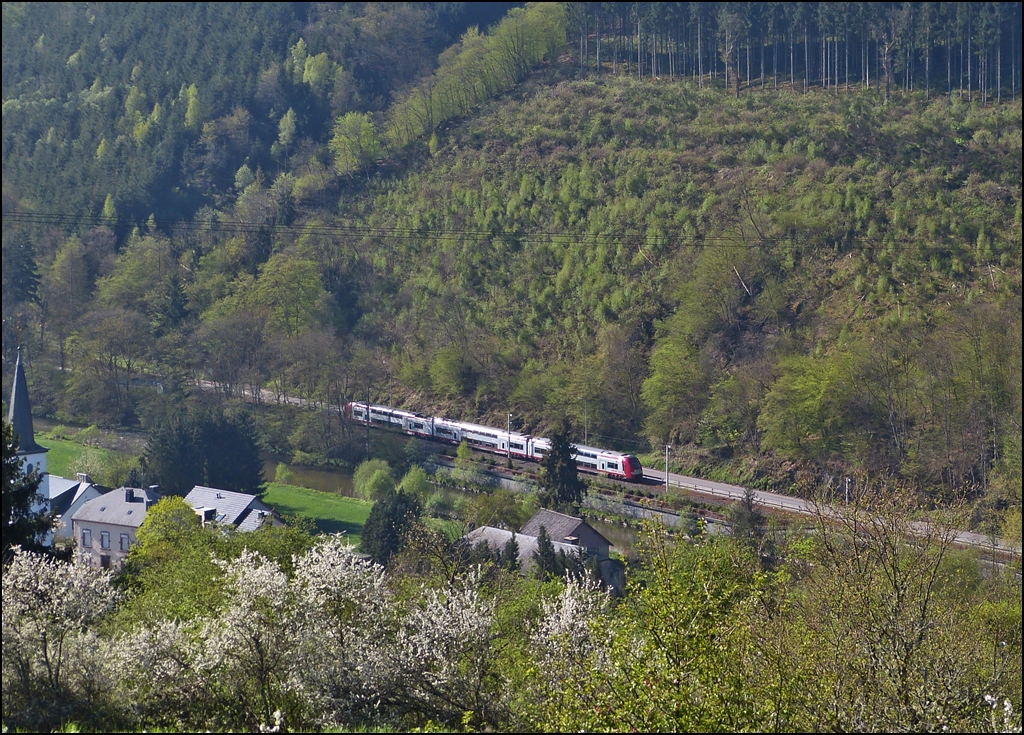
[(331, 513), (65, 457)]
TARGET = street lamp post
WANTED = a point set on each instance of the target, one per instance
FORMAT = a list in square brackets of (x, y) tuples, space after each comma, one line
[(667, 447)]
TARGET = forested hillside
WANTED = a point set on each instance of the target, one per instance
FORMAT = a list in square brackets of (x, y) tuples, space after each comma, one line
[(784, 238)]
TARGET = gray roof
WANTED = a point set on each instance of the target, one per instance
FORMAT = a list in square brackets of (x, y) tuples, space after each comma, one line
[(497, 538), (64, 492), (116, 508), (239, 509), (558, 525), (19, 413)]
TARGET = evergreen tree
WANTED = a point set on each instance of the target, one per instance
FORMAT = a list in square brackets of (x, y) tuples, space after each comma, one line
[(748, 522), (172, 458), (22, 526), (231, 454), (20, 274), (561, 486), (545, 557), (510, 555), (386, 528), (211, 449)]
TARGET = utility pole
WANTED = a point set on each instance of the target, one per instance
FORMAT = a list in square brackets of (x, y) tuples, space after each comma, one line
[(667, 447), (367, 420), (584, 399), (847, 490), (508, 443)]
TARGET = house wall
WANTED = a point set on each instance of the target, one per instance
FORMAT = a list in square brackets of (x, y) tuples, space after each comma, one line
[(63, 528), (592, 541), (114, 555)]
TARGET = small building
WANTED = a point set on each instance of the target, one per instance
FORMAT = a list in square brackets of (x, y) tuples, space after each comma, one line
[(225, 507), (497, 538), (105, 527), (66, 497), (567, 533), (568, 529)]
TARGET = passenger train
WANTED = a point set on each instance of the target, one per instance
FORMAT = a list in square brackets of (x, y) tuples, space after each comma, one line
[(489, 439)]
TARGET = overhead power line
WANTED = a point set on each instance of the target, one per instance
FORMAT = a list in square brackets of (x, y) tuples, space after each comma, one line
[(535, 236)]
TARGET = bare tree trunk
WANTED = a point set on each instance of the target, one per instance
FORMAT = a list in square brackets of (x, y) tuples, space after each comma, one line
[(807, 58), (970, 80), (700, 56)]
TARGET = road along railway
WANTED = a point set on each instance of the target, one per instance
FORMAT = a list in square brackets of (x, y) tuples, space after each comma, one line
[(614, 465)]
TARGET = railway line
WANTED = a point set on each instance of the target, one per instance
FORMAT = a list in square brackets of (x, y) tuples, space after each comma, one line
[(711, 490)]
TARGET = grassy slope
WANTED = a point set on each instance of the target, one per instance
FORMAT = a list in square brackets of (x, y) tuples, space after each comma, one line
[(331, 513), (64, 457)]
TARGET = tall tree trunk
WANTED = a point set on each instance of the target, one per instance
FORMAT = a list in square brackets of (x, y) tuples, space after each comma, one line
[(762, 62), (807, 58), (700, 57), (792, 65), (928, 67), (970, 79)]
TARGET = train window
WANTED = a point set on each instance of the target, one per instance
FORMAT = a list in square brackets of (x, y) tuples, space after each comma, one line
[(613, 465)]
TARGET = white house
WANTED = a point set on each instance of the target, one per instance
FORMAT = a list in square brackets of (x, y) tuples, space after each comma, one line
[(105, 527)]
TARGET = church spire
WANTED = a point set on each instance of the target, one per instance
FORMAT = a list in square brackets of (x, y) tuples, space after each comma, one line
[(19, 415)]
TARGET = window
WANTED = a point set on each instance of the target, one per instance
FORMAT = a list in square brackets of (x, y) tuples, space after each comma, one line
[(105, 561), (87, 538), (104, 539), (125, 542)]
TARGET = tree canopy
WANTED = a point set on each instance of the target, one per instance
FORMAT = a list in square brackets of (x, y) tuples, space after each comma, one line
[(561, 484), (24, 524), (204, 447)]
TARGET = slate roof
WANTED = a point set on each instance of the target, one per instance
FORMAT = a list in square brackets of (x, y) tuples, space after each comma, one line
[(496, 538), (558, 525), (239, 509), (64, 492), (116, 509), (19, 413)]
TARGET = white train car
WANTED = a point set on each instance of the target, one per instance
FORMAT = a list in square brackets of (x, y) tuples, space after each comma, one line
[(491, 439)]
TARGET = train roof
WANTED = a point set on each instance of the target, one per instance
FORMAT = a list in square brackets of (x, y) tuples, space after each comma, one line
[(466, 425), (598, 450)]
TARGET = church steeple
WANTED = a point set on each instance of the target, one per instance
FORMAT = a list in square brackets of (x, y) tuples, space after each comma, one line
[(19, 415)]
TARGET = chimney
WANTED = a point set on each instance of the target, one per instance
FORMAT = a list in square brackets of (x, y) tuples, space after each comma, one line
[(82, 477), (129, 495)]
